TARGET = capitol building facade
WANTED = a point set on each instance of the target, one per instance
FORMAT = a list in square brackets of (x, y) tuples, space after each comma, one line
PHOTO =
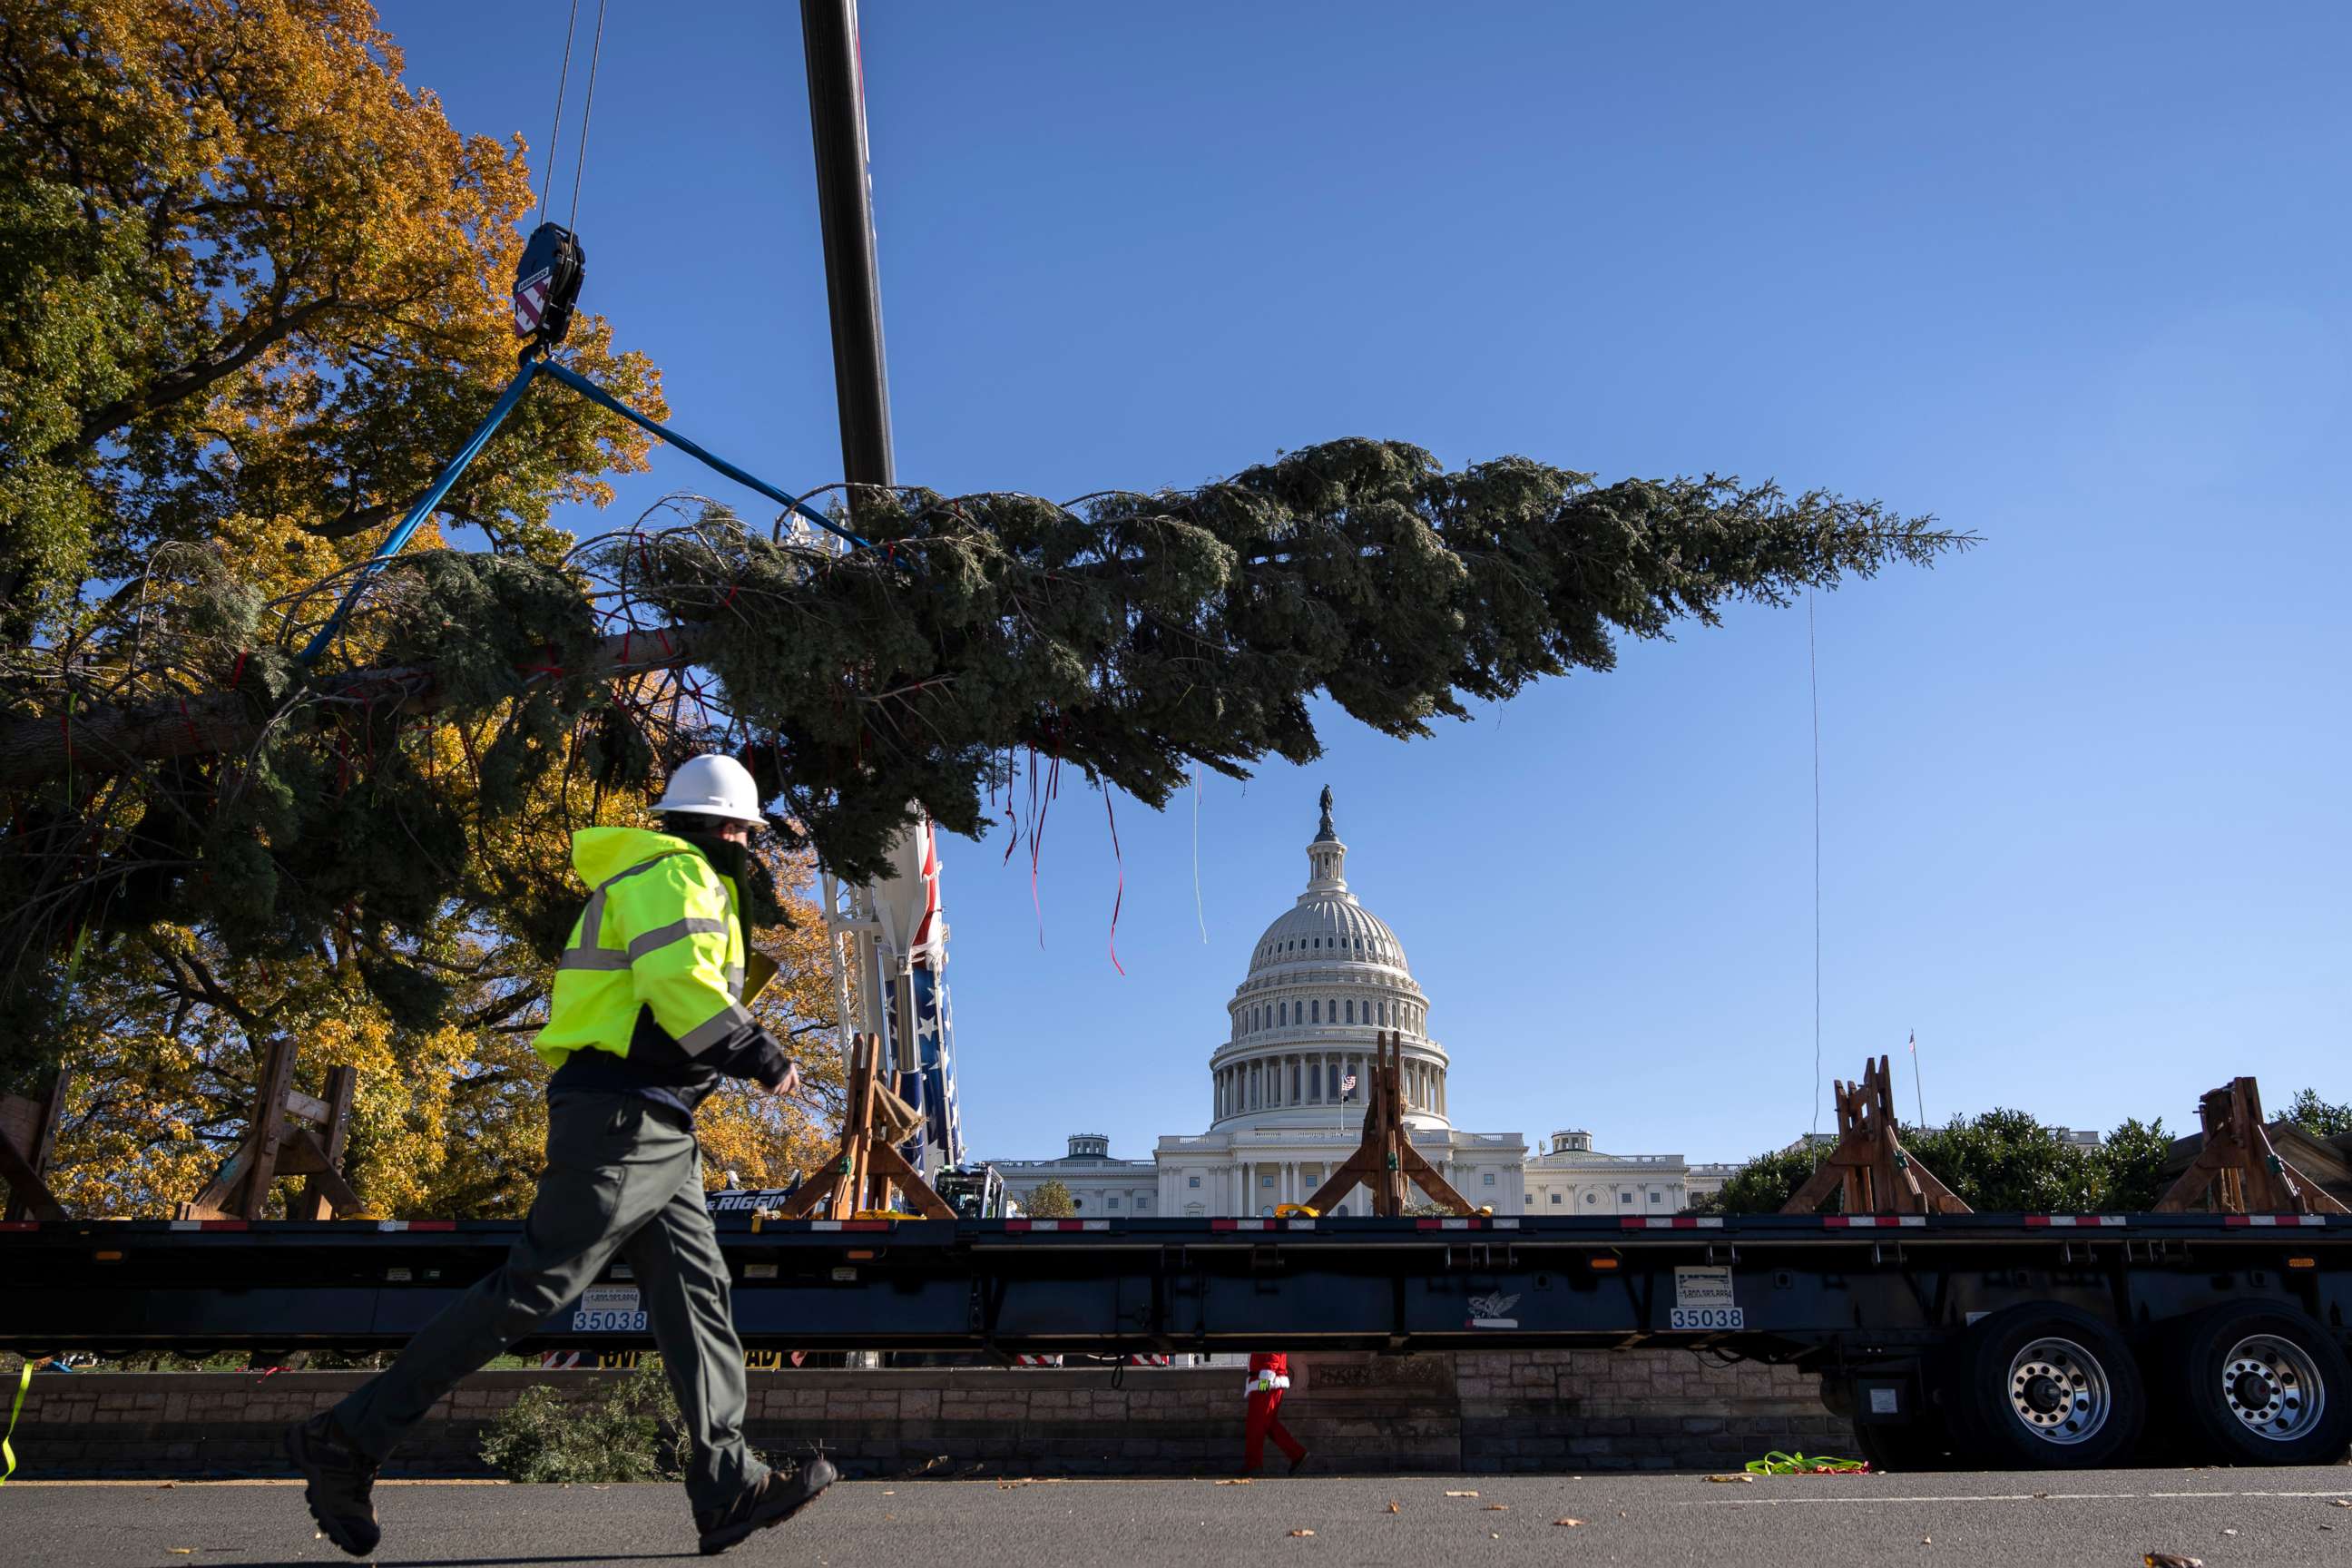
[(1287, 1087)]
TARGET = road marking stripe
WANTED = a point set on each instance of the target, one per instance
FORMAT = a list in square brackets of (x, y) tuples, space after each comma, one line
[(1755, 1501)]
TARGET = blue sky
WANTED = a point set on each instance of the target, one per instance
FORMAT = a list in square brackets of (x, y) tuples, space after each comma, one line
[(2071, 277)]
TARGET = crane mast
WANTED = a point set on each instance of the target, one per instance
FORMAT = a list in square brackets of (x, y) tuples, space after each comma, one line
[(889, 936)]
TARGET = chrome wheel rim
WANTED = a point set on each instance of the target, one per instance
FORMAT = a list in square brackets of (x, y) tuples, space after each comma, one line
[(2059, 1392), (2273, 1387)]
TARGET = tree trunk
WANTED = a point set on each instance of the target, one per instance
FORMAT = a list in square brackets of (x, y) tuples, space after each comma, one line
[(101, 740)]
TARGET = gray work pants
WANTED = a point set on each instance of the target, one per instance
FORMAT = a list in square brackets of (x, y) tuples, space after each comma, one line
[(623, 1176)]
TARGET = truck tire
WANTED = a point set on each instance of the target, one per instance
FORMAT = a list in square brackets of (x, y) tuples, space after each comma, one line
[(2258, 1385), (2042, 1386)]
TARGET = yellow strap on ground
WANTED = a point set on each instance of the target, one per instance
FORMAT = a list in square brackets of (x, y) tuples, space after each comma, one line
[(7, 1452), (1777, 1463)]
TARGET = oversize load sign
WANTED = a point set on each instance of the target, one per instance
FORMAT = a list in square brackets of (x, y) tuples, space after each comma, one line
[(1702, 1300)]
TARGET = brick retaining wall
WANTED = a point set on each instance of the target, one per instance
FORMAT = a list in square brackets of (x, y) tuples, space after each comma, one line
[(1578, 1410)]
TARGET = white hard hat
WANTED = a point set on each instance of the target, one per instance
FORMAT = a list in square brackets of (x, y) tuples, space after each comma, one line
[(713, 786)]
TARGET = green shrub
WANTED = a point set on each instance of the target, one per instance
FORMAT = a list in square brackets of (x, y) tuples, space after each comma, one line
[(1998, 1161), (630, 1435)]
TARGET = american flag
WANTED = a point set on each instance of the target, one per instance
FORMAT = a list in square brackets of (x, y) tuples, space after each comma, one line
[(1346, 1085)]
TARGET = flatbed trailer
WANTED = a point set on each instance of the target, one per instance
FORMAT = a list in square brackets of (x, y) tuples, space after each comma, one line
[(2056, 1341)]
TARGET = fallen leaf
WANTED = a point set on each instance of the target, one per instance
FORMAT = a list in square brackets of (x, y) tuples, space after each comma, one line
[(1461, 1494), (1302, 1532), (1926, 1541), (1570, 1524), (2332, 1502), (1393, 1507), (1743, 1478), (2172, 1560), (167, 1486)]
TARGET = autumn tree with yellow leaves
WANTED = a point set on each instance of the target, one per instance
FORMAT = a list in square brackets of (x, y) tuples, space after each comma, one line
[(252, 295), (256, 292)]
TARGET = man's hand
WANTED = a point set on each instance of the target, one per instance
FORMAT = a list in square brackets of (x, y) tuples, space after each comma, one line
[(785, 1083)]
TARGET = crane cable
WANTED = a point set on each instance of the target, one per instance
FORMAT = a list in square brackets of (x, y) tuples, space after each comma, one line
[(555, 132), (1813, 682), (587, 110)]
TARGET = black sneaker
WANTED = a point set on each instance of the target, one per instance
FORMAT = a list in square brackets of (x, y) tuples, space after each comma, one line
[(773, 1500), (337, 1481)]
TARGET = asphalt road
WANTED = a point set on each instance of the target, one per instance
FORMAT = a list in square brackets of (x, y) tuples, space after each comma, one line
[(2112, 1517)]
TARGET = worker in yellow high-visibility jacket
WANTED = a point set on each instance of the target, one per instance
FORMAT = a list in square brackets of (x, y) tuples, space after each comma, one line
[(646, 1016)]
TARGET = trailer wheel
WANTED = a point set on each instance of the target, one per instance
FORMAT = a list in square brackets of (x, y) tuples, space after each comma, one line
[(2262, 1386), (2046, 1387)]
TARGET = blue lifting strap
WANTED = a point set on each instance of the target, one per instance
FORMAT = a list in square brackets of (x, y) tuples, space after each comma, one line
[(597, 394), (397, 540)]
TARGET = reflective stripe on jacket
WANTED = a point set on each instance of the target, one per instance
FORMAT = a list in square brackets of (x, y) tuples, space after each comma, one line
[(662, 933)]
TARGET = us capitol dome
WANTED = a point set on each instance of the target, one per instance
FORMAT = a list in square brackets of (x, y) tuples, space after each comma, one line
[(1325, 978), (1287, 1083)]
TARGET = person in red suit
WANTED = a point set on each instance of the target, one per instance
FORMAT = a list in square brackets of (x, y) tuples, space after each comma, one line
[(1269, 1378)]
